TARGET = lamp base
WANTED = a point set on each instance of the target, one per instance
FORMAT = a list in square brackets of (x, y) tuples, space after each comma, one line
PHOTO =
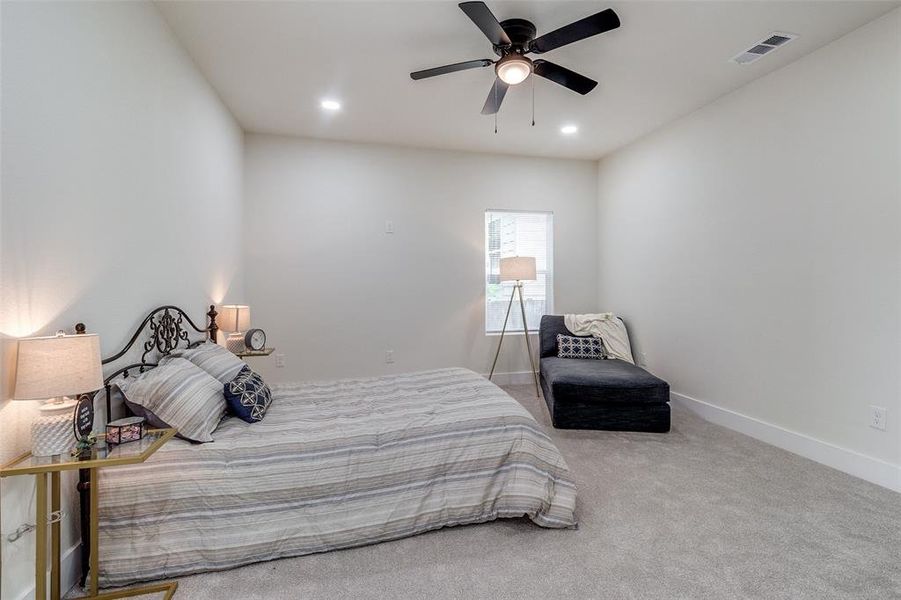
[(52, 432), (235, 343)]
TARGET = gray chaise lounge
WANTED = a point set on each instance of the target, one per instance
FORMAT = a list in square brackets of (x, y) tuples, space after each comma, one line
[(599, 394)]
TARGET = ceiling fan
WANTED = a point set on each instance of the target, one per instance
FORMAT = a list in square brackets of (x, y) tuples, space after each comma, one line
[(512, 39)]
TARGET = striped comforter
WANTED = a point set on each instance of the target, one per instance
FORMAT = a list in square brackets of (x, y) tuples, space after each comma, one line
[(333, 465)]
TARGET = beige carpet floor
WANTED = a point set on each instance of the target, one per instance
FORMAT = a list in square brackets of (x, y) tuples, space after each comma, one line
[(701, 512)]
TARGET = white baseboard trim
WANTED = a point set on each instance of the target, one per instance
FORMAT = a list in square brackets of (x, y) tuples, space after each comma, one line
[(868, 468), (512, 378), (70, 573)]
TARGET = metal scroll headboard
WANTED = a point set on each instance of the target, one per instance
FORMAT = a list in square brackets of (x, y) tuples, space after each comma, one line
[(166, 329)]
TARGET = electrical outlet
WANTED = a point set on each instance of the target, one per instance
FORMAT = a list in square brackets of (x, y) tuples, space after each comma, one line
[(389, 226), (877, 417), (279, 360), (389, 356)]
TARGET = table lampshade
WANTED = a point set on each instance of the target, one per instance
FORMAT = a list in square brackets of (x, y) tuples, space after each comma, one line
[(51, 368), (234, 319), (518, 268)]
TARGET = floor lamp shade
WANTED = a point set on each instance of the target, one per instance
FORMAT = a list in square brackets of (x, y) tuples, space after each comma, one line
[(518, 268), (53, 368)]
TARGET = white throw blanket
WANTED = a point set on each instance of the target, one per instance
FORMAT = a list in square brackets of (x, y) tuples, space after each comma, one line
[(606, 326)]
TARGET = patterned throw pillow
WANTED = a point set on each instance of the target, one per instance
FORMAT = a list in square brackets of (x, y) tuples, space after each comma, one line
[(248, 396), (569, 346)]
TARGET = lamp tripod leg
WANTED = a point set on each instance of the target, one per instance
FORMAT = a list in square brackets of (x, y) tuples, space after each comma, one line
[(525, 328), (503, 330)]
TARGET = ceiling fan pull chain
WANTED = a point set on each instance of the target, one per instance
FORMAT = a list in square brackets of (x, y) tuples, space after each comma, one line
[(497, 108), (533, 102)]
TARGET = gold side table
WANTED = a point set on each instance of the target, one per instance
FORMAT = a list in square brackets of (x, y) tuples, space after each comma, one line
[(100, 456)]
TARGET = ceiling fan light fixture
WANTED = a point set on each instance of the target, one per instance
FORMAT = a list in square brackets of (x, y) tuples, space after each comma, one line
[(513, 69), (512, 39)]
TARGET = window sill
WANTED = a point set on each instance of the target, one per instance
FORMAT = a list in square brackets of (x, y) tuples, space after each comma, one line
[(498, 333)]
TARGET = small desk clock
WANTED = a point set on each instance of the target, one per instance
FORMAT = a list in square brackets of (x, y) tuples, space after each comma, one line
[(255, 339)]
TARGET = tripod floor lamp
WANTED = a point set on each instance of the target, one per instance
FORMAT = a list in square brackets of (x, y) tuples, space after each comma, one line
[(518, 269)]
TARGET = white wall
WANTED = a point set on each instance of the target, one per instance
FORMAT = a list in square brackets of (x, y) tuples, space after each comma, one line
[(118, 161), (755, 246), (334, 291)]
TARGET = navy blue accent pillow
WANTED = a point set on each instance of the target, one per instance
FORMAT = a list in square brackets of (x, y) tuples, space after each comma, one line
[(570, 346), (247, 396)]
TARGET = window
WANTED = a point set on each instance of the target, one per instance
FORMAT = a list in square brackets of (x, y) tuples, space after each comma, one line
[(514, 233)]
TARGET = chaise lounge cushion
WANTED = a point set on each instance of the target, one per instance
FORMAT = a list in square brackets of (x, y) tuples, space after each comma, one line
[(611, 382)]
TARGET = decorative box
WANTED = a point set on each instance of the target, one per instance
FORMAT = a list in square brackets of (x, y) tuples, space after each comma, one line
[(120, 431)]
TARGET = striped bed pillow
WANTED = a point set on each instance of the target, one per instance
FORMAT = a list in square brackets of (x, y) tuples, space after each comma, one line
[(180, 394), (212, 358)]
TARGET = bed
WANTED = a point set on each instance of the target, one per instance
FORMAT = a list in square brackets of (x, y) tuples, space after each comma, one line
[(333, 465)]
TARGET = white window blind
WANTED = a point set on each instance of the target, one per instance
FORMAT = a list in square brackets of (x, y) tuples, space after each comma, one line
[(515, 233)]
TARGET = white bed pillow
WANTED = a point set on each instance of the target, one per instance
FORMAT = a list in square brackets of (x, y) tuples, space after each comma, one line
[(180, 394), (212, 358)]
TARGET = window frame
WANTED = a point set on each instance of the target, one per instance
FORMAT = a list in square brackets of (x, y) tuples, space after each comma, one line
[(548, 272)]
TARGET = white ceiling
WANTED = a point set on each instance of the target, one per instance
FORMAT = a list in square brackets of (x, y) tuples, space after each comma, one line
[(272, 63)]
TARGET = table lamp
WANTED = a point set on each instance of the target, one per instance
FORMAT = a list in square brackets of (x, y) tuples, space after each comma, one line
[(234, 319), (518, 269), (52, 368)]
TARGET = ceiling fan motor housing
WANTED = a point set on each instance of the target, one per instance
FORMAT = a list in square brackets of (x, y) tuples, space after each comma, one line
[(520, 32)]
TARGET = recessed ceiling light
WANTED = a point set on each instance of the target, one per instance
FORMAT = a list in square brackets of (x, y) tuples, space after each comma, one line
[(569, 129), (331, 105)]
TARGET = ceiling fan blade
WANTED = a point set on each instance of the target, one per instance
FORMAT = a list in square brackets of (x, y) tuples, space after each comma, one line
[(563, 76), (487, 22), (495, 97), (578, 30), (460, 66)]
